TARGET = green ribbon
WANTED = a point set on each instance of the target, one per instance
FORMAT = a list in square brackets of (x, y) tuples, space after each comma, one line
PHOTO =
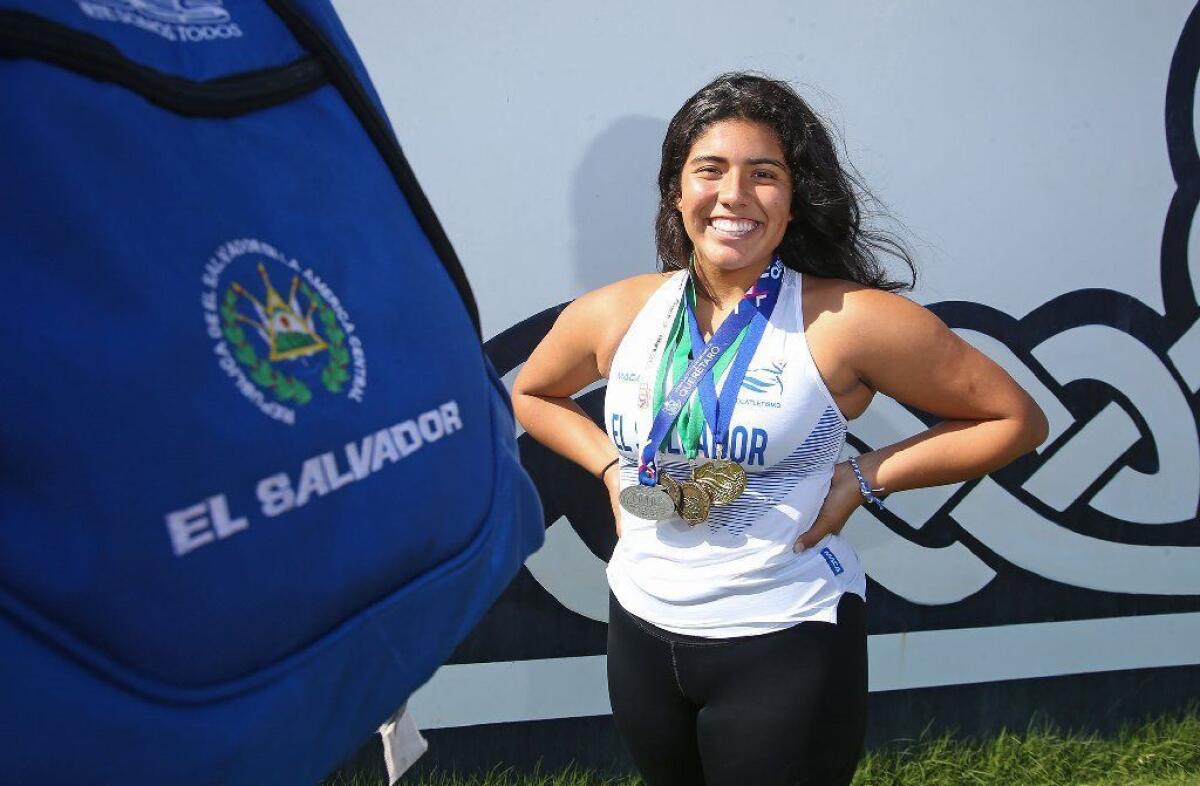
[(676, 356)]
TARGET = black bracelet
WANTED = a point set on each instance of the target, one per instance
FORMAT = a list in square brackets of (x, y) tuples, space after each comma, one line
[(607, 467)]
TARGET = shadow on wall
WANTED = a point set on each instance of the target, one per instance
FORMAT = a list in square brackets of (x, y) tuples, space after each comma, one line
[(613, 200)]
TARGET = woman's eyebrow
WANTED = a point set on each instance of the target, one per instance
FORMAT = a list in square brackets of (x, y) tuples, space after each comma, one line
[(713, 159)]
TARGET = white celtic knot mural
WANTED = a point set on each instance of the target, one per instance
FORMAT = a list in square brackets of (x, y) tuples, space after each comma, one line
[(1110, 501)]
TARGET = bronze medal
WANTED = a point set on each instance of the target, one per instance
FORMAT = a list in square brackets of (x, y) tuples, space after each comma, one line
[(724, 479), (695, 503), (647, 502), (671, 486)]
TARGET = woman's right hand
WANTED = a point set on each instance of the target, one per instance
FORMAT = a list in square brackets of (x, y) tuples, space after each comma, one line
[(612, 480)]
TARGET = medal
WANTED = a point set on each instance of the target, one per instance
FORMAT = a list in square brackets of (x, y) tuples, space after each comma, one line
[(725, 480), (695, 503), (670, 485), (647, 502)]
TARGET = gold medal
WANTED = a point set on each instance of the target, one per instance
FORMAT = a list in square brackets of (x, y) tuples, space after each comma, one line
[(694, 503), (724, 479)]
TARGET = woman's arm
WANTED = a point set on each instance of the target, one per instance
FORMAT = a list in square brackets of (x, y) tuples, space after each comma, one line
[(902, 350), (575, 353)]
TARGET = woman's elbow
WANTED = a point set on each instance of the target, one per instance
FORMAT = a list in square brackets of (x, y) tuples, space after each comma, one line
[(521, 406), (1034, 426)]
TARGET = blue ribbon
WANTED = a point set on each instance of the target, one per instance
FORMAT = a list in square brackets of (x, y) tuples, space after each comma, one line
[(719, 412), (754, 309)]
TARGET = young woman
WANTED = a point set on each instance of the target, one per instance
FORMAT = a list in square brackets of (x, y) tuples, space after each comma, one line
[(737, 634)]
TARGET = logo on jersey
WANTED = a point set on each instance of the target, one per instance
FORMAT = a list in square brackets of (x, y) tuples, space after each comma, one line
[(831, 559), (174, 20), (281, 333), (765, 379)]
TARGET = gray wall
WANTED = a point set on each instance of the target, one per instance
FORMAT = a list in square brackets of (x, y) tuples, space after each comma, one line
[(1021, 142)]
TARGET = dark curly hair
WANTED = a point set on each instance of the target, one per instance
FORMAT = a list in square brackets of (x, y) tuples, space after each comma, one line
[(826, 236)]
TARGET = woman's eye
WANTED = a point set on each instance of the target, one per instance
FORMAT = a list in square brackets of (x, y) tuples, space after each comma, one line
[(765, 173)]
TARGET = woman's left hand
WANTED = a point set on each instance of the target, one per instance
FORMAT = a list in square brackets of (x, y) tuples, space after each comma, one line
[(841, 501)]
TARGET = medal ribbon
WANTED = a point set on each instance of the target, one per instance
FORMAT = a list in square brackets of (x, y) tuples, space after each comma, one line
[(690, 424), (703, 361), (719, 411)]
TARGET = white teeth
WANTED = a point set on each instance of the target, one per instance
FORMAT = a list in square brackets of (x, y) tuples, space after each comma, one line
[(732, 226)]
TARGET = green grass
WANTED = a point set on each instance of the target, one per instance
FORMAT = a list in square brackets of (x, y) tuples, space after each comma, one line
[(1164, 752)]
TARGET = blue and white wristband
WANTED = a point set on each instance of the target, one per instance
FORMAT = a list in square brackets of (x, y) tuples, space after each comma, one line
[(864, 488)]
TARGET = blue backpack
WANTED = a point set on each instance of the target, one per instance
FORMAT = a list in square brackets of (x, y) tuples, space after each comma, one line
[(257, 478)]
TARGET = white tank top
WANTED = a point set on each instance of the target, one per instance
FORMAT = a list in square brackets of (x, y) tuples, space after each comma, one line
[(736, 574)]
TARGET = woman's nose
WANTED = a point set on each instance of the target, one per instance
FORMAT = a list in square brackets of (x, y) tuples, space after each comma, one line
[(734, 190)]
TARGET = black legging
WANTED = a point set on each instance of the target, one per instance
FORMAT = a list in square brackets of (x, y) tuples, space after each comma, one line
[(787, 707)]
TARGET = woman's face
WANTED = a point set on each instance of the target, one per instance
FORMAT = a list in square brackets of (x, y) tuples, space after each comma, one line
[(735, 195)]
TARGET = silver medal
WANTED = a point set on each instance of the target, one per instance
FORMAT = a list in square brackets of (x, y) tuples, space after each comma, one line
[(647, 502)]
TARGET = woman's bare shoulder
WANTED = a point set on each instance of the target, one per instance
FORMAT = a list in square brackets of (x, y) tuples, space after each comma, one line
[(874, 331), (616, 304), (852, 306), (604, 315), (628, 292)]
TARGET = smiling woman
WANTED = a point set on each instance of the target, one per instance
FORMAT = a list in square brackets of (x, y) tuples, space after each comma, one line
[(737, 634)]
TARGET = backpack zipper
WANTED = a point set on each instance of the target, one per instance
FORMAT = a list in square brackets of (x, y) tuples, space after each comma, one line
[(24, 35)]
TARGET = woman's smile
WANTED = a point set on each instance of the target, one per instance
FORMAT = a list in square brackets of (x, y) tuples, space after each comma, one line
[(733, 228)]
